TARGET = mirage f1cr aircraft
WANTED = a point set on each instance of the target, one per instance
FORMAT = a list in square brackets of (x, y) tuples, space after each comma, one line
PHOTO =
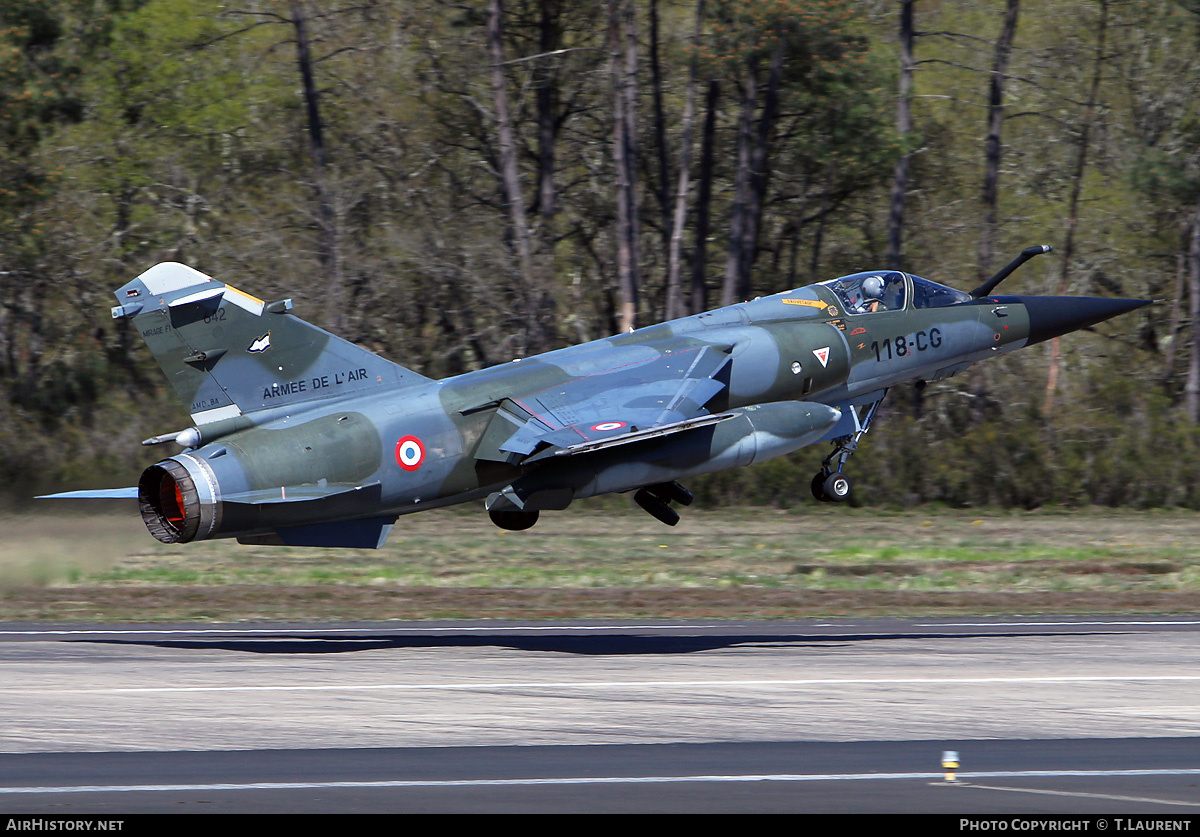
[(304, 439)]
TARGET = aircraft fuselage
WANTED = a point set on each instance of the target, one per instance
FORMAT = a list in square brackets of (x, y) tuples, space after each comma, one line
[(303, 438)]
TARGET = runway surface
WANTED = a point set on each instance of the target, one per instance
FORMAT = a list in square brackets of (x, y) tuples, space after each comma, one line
[(1047, 715)]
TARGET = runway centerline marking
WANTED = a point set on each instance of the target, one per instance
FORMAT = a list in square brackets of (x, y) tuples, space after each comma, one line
[(1079, 623), (613, 684), (588, 780), (1047, 792)]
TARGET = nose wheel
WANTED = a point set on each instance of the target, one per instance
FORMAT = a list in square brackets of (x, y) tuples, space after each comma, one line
[(831, 488)]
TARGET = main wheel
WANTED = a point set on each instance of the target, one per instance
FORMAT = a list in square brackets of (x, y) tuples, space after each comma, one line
[(836, 487), (513, 521), (655, 507)]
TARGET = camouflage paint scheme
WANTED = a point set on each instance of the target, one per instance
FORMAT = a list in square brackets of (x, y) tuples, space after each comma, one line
[(302, 438)]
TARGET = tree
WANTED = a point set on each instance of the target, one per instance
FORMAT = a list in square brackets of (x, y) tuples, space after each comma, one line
[(797, 68), (1159, 67)]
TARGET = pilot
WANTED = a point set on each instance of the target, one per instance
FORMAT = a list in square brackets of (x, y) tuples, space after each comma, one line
[(872, 289)]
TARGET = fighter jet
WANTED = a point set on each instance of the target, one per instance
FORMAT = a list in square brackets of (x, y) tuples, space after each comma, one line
[(301, 438)]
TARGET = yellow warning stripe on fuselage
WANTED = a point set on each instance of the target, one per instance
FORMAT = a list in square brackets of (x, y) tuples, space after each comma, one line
[(811, 303)]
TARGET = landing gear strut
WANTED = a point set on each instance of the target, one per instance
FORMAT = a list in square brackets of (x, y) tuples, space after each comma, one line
[(830, 484)]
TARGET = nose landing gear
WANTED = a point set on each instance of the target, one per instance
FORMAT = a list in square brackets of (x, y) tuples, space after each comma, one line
[(830, 484)]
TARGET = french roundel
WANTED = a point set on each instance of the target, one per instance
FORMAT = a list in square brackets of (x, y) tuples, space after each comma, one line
[(608, 425), (410, 453)]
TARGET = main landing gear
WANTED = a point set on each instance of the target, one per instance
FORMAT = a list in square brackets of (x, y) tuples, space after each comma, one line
[(830, 484), (654, 499), (513, 521)]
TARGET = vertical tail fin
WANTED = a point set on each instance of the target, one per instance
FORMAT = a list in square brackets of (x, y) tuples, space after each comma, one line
[(227, 353)]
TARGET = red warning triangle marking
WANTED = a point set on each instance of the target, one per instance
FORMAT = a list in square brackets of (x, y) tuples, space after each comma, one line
[(822, 355)]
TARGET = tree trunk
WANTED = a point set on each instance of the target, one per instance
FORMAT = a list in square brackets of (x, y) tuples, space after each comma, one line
[(1172, 339), (752, 177), (550, 39), (511, 182), (1192, 389), (698, 302), (895, 258), (992, 146), (675, 307), (327, 249), (1073, 206), (622, 41), (731, 289), (760, 172), (663, 183)]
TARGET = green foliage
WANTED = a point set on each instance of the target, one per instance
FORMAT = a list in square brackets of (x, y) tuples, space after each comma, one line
[(816, 36), (137, 131), (1163, 179)]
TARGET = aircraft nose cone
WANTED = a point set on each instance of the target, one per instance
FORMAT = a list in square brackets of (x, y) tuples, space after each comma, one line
[(1052, 316)]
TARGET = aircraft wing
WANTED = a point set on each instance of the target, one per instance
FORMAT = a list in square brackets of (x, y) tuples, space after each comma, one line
[(663, 393)]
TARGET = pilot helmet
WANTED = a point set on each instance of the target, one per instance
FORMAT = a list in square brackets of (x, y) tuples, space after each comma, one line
[(872, 287)]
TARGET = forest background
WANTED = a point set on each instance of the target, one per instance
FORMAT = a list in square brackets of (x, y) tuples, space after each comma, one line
[(454, 184)]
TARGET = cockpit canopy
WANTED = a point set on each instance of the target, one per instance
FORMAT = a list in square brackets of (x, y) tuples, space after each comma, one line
[(928, 294), (864, 293), (888, 290)]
